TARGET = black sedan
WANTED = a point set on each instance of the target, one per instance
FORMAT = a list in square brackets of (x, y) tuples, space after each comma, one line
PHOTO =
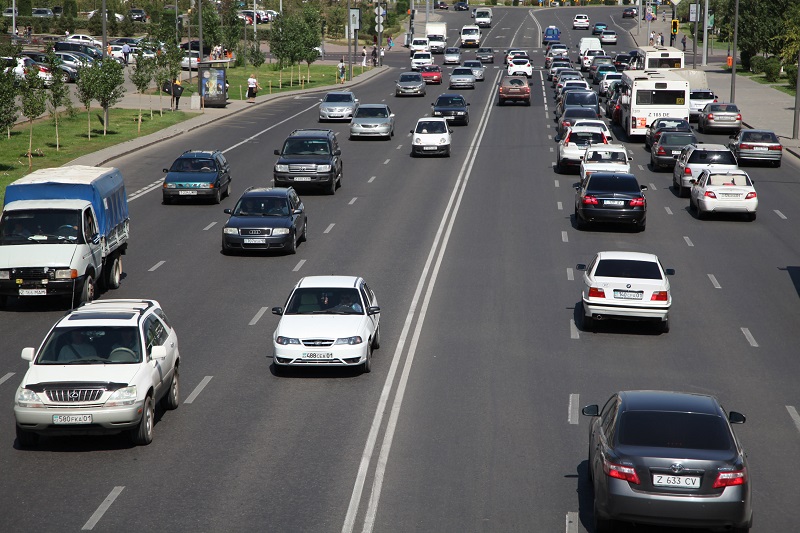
[(611, 197), (265, 219), (461, 6), (485, 55), (667, 458), (676, 124), (453, 107), (668, 147)]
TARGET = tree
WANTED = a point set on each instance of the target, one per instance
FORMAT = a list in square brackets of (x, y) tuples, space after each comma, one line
[(33, 96), (95, 25), (108, 86), (141, 75), (71, 8), (58, 95), (336, 19), (126, 28), (758, 27), (84, 88), (173, 57), (24, 8), (286, 39), (212, 29), (231, 25), (789, 38), (8, 100), (312, 37), (255, 55), (162, 77)]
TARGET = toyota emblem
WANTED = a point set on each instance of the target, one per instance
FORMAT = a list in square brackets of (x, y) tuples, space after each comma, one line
[(676, 467)]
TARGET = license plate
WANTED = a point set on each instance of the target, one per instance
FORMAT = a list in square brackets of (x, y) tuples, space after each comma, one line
[(72, 419), (255, 241), (688, 482), (760, 148), (187, 193), (724, 119), (676, 152), (431, 147), (613, 202), (728, 195), (302, 178), (318, 355), (33, 292), (628, 295)]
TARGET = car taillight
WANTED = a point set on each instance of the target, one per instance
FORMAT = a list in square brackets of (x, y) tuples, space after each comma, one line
[(659, 296), (44, 69), (778, 147), (566, 140), (501, 88), (623, 472), (738, 116), (730, 479), (745, 146), (565, 124), (589, 200), (661, 151), (710, 194), (750, 195), (637, 202), (687, 171), (710, 116), (595, 292)]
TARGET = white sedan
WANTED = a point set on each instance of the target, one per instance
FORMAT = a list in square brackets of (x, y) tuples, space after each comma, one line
[(327, 321), (723, 191), (625, 286), (190, 61), (83, 39)]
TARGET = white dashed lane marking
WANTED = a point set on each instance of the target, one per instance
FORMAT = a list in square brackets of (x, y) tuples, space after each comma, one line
[(688, 241), (299, 265), (371, 179), (258, 316), (572, 522), (152, 268), (386, 162), (570, 275), (351, 202), (564, 236), (210, 226), (98, 514), (572, 412), (749, 337), (329, 228), (6, 377), (714, 281), (668, 210), (781, 215), (556, 183), (560, 206), (653, 187), (794, 415), (573, 330), (197, 390)]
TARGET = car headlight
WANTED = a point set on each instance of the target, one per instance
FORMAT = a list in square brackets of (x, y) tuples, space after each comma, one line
[(170, 185), (123, 396), (5, 274), (28, 398), (281, 168), (442, 140), (417, 140), (283, 341), (350, 340), (437, 113), (230, 231), (460, 113), (280, 231), (323, 168), (66, 274)]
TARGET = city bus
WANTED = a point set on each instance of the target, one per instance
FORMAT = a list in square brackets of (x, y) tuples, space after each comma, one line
[(650, 94), (656, 58)]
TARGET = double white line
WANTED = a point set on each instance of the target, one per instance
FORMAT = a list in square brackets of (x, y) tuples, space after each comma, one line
[(429, 274)]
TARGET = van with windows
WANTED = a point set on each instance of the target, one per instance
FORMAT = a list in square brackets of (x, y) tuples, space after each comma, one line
[(483, 17)]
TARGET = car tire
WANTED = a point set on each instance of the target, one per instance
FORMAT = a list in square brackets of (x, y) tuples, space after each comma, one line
[(587, 322), (86, 293), (501, 102), (166, 201), (528, 102), (172, 400), (3, 301), (579, 222), (291, 249), (602, 525), (663, 327), (751, 216), (466, 121), (228, 189), (304, 235), (700, 214), (366, 366), (114, 273), (142, 434), (217, 196), (559, 168), (26, 439), (330, 189), (683, 192), (699, 126), (640, 227)]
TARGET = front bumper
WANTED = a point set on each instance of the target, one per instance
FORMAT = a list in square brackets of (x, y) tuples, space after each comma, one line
[(364, 131), (336, 355), (282, 179), (188, 194), (325, 114), (464, 84), (105, 420), (41, 287), (416, 91), (257, 243), (428, 149)]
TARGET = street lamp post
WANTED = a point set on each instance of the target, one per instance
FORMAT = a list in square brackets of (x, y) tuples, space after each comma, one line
[(200, 28)]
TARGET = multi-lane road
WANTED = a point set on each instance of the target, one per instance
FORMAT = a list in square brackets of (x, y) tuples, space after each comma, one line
[(470, 418)]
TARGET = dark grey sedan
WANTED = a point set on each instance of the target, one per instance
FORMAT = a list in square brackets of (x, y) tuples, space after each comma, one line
[(756, 145), (668, 147), (667, 458)]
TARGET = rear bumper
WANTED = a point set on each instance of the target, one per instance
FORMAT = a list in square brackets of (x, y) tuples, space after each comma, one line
[(597, 309)]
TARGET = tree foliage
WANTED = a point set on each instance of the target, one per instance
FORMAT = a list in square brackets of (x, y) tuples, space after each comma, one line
[(141, 74), (108, 90), (8, 100), (58, 93), (33, 96), (84, 90), (287, 38)]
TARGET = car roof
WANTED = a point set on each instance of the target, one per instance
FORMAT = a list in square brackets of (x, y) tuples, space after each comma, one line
[(347, 93), (608, 148), (710, 147), (274, 192), (446, 95), (197, 154), (119, 312), (370, 106), (632, 256), (328, 281), (432, 119), (311, 132), (590, 129), (654, 400)]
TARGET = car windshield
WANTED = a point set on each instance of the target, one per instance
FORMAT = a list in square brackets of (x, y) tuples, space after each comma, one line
[(707, 157), (450, 101), (627, 268), (372, 112), (462, 72), (262, 206), (433, 126), (582, 138), (667, 429), (45, 226), (422, 55), (325, 301), (190, 164), (99, 345), (410, 77), (338, 98), (452, 51), (431, 68), (306, 147)]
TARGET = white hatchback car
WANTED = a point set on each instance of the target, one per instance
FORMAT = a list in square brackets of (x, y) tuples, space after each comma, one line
[(520, 67), (625, 286), (327, 321), (431, 135), (580, 22), (723, 191), (101, 369)]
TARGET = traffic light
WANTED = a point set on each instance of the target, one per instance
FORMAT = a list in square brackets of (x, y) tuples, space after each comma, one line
[(675, 23)]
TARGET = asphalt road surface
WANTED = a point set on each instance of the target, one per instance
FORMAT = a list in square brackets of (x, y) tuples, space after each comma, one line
[(469, 421)]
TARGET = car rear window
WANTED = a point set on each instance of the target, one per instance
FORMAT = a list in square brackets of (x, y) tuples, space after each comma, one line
[(670, 123), (462, 71), (627, 268), (583, 138), (599, 183), (582, 112), (701, 95), (724, 108), (678, 139), (581, 98), (759, 137), (665, 429), (709, 157)]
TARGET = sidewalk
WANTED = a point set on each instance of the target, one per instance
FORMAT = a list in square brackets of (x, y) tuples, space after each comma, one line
[(762, 106)]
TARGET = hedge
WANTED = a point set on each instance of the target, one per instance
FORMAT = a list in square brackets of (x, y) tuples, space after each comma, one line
[(791, 75), (772, 70)]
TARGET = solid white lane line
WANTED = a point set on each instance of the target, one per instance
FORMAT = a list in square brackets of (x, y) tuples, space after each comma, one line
[(98, 514), (572, 522), (794, 415), (653, 187), (556, 183), (749, 337), (287, 119), (572, 414), (6, 377), (714, 281), (573, 330), (442, 236), (197, 390), (780, 214), (688, 241), (299, 265), (386, 162), (351, 202), (152, 268), (329, 228), (564, 236), (570, 275), (210, 226), (669, 211), (371, 179), (560, 206), (258, 316)]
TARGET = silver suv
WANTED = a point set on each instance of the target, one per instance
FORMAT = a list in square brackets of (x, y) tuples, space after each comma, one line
[(101, 369), (695, 158)]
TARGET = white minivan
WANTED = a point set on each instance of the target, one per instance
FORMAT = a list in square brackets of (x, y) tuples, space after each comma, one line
[(483, 17)]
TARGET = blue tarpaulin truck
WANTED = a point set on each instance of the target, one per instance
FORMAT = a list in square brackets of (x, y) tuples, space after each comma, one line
[(63, 231)]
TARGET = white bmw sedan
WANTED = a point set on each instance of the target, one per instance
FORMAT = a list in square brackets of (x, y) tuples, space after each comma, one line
[(723, 191), (625, 286), (327, 321)]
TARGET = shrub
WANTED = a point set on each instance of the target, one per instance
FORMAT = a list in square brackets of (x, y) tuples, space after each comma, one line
[(772, 70), (791, 75), (757, 64)]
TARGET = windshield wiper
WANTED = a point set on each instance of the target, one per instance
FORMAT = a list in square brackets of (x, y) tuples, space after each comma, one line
[(86, 361)]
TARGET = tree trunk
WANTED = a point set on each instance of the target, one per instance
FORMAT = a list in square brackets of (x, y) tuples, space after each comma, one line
[(89, 119), (105, 120), (30, 146), (139, 128), (58, 148)]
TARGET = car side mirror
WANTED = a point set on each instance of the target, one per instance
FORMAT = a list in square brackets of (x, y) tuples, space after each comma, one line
[(643, 187), (391, 115), (158, 352), (736, 418), (669, 271), (580, 266), (356, 100), (337, 152), (411, 132), (165, 170), (693, 181), (320, 99), (630, 158), (373, 310), (297, 211), (277, 152), (591, 410), (28, 353), (227, 211), (277, 311)]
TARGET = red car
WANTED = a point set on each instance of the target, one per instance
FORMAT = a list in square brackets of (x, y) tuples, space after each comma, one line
[(514, 89), (431, 74), (440, 5)]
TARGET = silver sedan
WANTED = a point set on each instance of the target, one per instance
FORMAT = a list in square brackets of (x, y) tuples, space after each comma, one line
[(337, 105), (462, 77), (756, 145), (452, 55), (477, 68), (372, 120)]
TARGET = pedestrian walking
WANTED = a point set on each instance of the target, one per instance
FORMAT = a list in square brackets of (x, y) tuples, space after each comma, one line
[(390, 42), (660, 39), (340, 68), (374, 56), (108, 50), (364, 56), (252, 88), (126, 53), (177, 91), (683, 42), (383, 53)]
